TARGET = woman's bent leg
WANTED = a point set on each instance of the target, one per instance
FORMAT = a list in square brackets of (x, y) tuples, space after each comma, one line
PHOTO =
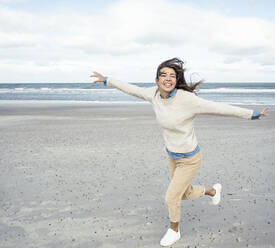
[(193, 192)]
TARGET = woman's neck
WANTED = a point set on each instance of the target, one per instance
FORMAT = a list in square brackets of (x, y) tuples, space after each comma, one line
[(163, 93)]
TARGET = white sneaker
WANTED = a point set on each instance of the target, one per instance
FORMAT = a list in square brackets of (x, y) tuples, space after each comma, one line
[(217, 197), (170, 237)]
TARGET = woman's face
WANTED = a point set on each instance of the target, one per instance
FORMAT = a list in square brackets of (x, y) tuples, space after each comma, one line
[(166, 81)]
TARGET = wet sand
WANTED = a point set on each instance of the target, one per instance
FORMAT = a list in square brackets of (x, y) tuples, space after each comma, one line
[(95, 175)]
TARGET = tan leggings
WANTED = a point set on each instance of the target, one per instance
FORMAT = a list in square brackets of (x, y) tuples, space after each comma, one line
[(182, 172)]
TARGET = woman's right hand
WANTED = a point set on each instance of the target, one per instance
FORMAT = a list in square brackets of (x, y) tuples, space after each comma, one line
[(263, 113), (100, 77)]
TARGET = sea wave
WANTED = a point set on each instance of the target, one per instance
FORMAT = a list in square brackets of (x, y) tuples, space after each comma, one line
[(108, 90), (231, 95), (247, 103), (236, 90), (53, 90)]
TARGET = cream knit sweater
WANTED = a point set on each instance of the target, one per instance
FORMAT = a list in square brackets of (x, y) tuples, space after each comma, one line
[(176, 114)]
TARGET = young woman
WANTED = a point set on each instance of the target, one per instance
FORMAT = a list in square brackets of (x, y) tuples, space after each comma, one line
[(176, 107)]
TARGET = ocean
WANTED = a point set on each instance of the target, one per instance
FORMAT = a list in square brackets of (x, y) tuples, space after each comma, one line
[(232, 93)]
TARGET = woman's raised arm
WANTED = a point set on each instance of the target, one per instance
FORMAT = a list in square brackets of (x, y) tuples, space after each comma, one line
[(131, 89)]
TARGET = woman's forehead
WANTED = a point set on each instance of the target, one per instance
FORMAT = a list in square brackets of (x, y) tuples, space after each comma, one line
[(167, 70)]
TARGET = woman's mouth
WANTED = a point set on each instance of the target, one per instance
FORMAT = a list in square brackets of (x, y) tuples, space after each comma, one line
[(167, 85)]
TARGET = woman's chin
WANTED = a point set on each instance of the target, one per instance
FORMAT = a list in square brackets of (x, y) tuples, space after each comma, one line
[(169, 90)]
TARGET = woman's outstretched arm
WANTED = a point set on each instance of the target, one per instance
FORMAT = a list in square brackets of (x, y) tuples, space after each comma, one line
[(203, 106), (141, 92)]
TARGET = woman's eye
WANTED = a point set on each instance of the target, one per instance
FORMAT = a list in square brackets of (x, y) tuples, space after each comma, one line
[(164, 75)]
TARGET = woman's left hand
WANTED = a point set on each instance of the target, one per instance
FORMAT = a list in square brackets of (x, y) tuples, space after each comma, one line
[(263, 113), (98, 76)]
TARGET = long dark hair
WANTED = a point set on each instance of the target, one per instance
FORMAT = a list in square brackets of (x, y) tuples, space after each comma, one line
[(177, 65)]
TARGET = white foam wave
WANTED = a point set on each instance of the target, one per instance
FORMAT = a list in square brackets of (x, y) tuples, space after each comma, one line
[(114, 102), (55, 90), (236, 90), (71, 90)]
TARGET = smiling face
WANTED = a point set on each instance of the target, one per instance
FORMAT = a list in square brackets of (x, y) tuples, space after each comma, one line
[(166, 81)]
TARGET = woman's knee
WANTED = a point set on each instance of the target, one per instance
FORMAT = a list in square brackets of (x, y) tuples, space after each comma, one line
[(186, 197), (188, 193)]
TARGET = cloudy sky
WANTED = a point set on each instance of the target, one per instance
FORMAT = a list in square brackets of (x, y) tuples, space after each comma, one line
[(65, 40)]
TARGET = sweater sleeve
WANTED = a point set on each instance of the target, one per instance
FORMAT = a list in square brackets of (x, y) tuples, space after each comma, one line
[(202, 106), (142, 92)]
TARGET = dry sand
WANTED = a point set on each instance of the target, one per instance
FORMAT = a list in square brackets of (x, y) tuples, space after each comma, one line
[(95, 175)]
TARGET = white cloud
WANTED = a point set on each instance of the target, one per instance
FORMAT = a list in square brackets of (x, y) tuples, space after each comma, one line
[(12, 1), (130, 38)]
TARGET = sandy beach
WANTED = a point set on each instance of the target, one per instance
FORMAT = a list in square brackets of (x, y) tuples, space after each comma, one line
[(95, 175)]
